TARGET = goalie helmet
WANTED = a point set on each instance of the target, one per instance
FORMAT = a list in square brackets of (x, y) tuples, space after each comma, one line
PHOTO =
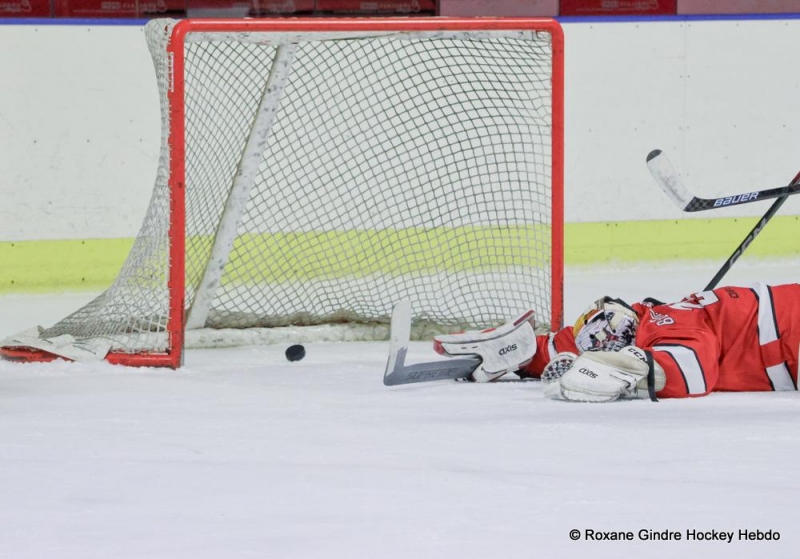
[(607, 325)]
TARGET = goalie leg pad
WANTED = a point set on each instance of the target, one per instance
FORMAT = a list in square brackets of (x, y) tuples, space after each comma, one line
[(605, 376), (502, 350)]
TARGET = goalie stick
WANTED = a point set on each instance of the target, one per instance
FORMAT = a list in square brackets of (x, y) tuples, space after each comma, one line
[(666, 177), (399, 373)]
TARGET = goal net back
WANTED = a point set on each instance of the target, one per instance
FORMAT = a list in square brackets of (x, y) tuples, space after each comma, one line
[(319, 171)]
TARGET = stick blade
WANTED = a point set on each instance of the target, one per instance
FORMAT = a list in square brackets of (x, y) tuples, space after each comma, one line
[(664, 174), (399, 337), (398, 373), (445, 369)]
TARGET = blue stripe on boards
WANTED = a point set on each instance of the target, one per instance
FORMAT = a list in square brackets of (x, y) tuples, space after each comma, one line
[(94, 22), (678, 18), (561, 19)]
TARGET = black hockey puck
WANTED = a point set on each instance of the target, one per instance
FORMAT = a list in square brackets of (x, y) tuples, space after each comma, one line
[(295, 352)]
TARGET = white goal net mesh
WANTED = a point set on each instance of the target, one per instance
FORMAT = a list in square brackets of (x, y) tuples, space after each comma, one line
[(396, 165)]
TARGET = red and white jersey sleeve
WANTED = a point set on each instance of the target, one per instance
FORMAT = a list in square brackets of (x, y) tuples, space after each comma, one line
[(684, 343)]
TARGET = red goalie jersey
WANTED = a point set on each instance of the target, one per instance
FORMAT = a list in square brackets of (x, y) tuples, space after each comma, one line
[(730, 339)]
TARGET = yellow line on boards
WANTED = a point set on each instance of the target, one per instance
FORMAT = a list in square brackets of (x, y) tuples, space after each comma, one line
[(74, 265)]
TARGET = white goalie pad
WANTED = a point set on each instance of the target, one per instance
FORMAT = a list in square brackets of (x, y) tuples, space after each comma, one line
[(602, 376), (504, 349)]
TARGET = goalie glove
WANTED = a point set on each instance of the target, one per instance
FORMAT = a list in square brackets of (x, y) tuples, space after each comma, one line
[(502, 350), (603, 376)]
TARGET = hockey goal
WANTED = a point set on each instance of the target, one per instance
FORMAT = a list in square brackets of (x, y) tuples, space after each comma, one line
[(317, 171)]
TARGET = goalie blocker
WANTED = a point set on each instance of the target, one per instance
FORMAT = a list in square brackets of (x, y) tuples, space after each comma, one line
[(502, 350)]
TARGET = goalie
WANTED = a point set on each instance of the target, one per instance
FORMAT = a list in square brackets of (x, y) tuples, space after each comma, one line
[(730, 339)]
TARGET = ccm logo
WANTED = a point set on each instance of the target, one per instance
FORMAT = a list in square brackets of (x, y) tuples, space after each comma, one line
[(587, 372), (508, 349)]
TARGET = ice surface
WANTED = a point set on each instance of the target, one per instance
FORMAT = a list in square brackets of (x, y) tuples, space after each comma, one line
[(243, 454)]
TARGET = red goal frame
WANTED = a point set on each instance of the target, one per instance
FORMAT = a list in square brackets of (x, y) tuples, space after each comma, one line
[(173, 357)]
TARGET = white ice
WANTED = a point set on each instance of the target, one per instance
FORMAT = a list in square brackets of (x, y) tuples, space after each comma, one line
[(242, 454)]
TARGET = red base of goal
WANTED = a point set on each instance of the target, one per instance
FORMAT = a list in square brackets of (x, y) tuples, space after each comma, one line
[(33, 355), (26, 355)]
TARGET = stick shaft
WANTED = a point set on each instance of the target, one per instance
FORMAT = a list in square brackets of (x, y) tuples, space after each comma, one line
[(773, 209)]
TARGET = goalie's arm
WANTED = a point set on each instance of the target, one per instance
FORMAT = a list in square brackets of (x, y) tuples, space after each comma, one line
[(688, 350), (691, 366), (688, 354), (547, 347)]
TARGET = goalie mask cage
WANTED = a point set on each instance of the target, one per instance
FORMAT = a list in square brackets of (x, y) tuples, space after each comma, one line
[(317, 171)]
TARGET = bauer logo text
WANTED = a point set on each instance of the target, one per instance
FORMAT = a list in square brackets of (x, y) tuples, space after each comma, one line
[(738, 199)]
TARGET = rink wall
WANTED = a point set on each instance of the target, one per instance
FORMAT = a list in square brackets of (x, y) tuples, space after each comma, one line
[(79, 141)]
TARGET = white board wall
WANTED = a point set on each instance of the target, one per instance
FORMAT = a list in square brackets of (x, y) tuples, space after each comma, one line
[(720, 97), (79, 120), (79, 131)]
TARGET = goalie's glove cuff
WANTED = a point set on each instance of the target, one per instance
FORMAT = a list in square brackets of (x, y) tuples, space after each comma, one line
[(552, 373), (504, 349)]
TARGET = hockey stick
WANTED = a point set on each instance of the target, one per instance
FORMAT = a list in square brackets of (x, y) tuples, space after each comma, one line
[(773, 209), (745, 243), (398, 373), (666, 177)]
